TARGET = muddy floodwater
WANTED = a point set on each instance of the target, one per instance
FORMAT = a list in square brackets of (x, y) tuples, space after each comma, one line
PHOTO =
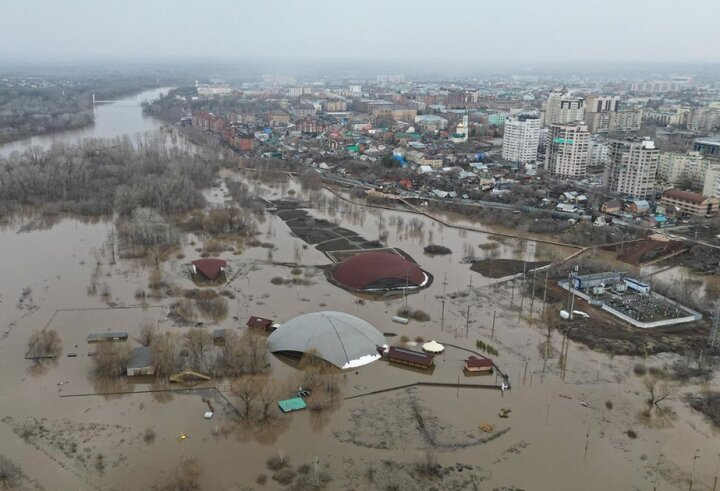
[(567, 428)]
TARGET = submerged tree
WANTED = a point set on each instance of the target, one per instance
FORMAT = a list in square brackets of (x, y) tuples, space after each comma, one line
[(44, 344), (111, 360)]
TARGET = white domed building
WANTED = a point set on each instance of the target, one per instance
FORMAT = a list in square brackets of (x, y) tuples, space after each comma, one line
[(341, 339)]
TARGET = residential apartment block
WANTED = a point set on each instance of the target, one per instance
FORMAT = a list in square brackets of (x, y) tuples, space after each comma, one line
[(521, 139), (567, 151), (632, 167)]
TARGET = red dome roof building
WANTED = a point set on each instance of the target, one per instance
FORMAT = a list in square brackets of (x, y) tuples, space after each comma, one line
[(378, 270)]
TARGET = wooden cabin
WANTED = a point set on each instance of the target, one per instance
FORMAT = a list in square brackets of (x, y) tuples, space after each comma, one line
[(408, 357), (475, 364)]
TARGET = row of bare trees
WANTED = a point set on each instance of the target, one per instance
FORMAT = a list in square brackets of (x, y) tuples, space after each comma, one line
[(195, 350), (97, 177)]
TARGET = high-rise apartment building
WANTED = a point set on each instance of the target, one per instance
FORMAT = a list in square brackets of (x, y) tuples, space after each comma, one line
[(677, 169), (603, 114), (562, 108), (598, 153), (632, 167), (521, 139), (567, 152)]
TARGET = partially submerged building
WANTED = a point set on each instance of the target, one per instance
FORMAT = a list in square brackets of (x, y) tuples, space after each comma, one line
[(260, 323), (341, 339), (141, 362), (404, 356), (208, 269), (379, 271), (219, 336), (478, 364), (107, 337), (627, 298)]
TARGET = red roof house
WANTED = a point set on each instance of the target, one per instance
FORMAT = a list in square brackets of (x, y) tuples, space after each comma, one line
[(478, 364), (210, 269), (255, 322)]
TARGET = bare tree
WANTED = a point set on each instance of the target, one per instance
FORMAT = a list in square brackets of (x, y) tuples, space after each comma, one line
[(164, 352), (267, 397), (147, 333), (44, 344), (246, 389), (111, 360), (657, 391), (234, 355), (256, 361), (321, 378), (198, 343)]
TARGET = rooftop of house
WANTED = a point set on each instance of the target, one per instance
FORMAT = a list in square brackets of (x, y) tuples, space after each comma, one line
[(684, 196), (140, 357)]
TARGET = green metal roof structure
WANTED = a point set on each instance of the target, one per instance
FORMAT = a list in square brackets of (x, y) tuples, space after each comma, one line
[(290, 405)]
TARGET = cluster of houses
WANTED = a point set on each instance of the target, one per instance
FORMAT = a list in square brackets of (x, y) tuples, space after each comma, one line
[(674, 205), (424, 140)]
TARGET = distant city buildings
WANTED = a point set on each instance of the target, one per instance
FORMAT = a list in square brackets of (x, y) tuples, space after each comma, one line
[(431, 122), (567, 152), (562, 108), (299, 91), (334, 106), (603, 115), (209, 90), (660, 86), (444, 134), (632, 167), (521, 139)]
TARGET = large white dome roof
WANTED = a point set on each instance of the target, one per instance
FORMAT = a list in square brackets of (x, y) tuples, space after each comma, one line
[(342, 339)]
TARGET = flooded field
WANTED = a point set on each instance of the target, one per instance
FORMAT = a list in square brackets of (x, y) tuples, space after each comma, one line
[(576, 420)]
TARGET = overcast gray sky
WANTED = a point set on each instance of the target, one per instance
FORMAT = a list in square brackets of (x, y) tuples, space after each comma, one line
[(364, 30)]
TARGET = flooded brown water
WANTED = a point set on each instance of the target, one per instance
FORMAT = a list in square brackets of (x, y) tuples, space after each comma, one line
[(542, 445)]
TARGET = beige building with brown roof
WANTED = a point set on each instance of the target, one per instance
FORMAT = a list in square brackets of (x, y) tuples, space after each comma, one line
[(692, 204)]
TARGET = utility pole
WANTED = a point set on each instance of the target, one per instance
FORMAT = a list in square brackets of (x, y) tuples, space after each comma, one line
[(532, 298), (467, 319), (492, 333), (512, 294), (442, 316), (545, 292), (407, 272), (467, 322), (547, 353), (717, 467), (692, 472), (522, 292), (571, 285), (587, 442)]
